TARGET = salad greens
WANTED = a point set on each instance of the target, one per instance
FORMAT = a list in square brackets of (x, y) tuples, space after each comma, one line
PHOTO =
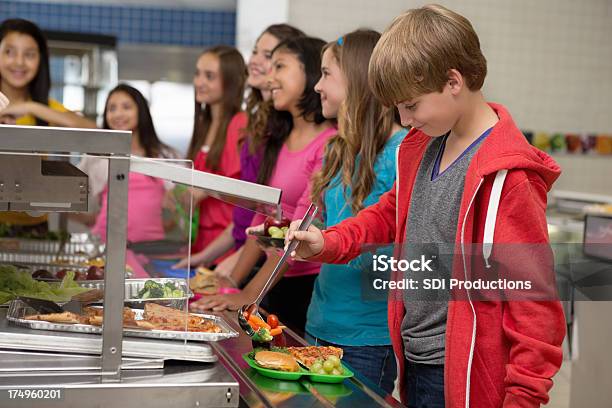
[(15, 282)]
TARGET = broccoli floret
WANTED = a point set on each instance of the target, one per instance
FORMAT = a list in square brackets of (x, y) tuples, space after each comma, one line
[(150, 284), (262, 335), (157, 292)]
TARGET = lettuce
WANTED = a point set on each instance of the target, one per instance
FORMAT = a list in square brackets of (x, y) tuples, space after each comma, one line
[(15, 282)]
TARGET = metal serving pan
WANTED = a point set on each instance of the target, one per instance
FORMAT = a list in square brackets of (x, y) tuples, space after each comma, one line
[(76, 244), (18, 310), (133, 286)]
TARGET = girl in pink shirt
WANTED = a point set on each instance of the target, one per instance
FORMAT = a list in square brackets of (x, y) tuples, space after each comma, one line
[(296, 137), (127, 109), (219, 86)]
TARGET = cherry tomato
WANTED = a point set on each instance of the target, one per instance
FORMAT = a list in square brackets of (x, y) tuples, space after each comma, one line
[(272, 321)]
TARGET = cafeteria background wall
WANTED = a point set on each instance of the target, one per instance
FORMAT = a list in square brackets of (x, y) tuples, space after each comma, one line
[(549, 62), (158, 42)]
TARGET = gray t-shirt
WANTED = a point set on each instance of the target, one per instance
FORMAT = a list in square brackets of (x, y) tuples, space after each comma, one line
[(431, 230)]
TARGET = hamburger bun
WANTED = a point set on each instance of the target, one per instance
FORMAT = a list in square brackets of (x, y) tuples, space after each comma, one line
[(276, 361)]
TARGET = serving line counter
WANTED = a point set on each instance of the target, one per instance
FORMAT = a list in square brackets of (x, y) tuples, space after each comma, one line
[(73, 380), (43, 364)]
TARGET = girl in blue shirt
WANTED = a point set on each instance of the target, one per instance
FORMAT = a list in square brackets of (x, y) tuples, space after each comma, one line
[(359, 166)]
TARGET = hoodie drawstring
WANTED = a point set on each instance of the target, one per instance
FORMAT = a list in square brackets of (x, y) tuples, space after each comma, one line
[(489, 230)]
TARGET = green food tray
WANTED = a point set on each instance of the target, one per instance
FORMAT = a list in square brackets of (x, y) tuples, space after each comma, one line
[(292, 376)]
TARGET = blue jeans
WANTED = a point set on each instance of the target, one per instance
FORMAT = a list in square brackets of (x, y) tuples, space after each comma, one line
[(424, 385), (376, 363)]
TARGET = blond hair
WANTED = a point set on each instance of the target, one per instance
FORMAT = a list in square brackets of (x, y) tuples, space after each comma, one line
[(416, 52), (363, 124)]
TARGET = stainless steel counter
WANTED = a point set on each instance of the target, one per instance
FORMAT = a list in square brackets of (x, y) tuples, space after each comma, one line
[(229, 382)]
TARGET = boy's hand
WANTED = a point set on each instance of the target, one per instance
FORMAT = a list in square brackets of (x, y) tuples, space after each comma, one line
[(311, 241)]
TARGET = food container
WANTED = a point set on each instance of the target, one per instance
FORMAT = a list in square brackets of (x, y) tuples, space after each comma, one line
[(292, 376), (266, 241), (133, 286), (18, 311), (76, 244)]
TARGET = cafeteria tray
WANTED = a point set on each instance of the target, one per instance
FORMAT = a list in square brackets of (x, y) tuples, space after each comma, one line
[(133, 286), (14, 337), (18, 310)]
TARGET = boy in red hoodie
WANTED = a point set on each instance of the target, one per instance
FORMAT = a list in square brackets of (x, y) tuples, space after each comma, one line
[(466, 175)]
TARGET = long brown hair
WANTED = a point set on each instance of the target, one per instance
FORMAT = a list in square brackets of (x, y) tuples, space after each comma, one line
[(40, 85), (257, 109), (146, 130), (233, 76), (364, 123), (280, 123)]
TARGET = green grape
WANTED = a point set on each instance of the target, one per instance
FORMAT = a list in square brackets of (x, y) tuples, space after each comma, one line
[(316, 367), (321, 372), (328, 366), (274, 231), (335, 371), (335, 360)]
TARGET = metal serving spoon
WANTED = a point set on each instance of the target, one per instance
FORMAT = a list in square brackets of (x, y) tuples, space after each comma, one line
[(253, 308)]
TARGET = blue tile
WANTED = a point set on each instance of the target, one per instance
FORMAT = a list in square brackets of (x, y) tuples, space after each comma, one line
[(133, 24)]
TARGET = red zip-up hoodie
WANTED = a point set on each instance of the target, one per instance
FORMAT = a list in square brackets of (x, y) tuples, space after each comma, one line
[(498, 354)]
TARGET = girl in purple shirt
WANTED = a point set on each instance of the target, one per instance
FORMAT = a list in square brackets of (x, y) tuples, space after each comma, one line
[(297, 134), (251, 152)]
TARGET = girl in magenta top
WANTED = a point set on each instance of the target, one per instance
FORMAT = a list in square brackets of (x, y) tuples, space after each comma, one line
[(297, 134), (127, 109), (251, 150), (219, 85)]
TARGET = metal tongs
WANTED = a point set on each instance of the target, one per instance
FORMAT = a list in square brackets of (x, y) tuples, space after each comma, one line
[(253, 308), (75, 305)]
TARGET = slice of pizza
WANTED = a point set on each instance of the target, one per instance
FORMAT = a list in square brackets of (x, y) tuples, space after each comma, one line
[(162, 315), (96, 320), (89, 311), (309, 354), (207, 328), (65, 317), (138, 324)]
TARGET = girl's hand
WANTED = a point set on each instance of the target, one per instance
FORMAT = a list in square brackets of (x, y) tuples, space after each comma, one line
[(196, 260), (256, 229), (311, 241), (184, 199), (4, 101), (218, 303), (182, 264), (17, 110), (169, 201)]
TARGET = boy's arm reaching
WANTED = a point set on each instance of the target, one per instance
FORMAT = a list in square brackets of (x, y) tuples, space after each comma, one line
[(343, 242)]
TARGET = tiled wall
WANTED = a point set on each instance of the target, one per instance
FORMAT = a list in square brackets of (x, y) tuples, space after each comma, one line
[(549, 62), (131, 24)]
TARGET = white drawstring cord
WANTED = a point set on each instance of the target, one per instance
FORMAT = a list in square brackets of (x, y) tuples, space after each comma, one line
[(494, 199)]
